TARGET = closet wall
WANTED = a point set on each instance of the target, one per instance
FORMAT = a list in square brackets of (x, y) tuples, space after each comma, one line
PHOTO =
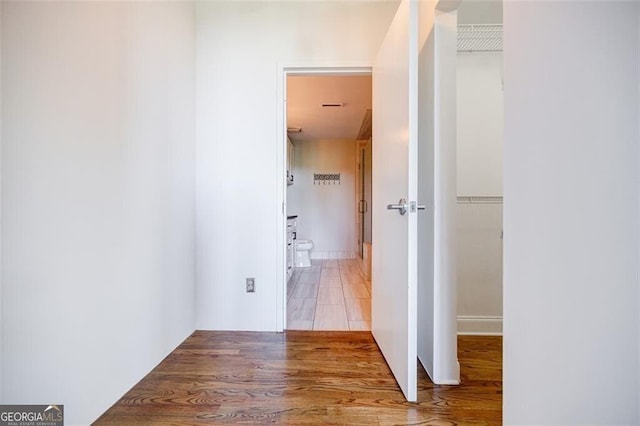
[(480, 145)]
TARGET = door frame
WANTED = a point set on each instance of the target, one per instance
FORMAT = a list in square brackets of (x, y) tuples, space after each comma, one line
[(283, 71)]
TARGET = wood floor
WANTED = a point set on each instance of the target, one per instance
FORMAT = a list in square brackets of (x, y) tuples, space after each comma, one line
[(329, 295), (302, 377)]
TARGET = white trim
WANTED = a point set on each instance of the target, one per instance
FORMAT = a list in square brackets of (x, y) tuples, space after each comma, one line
[(448, 382), (283, 70), (320, 254), (479, 325), (281, 192), (445, 358), (325, 69)]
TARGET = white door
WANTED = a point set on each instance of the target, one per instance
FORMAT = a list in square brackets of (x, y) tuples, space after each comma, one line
[(413, 261), (395, 177)]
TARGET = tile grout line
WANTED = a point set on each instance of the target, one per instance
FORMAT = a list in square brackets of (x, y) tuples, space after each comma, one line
[(344, 299), (315, 303)]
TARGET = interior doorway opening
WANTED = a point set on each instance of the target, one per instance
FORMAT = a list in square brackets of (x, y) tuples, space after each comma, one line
[(327, 121), (480, 145)]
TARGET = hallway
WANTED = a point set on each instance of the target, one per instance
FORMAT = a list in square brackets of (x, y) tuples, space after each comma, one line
[(329, 295)]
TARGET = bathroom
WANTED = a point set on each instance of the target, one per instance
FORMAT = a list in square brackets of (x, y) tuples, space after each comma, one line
[(330, 189), (329, 131)]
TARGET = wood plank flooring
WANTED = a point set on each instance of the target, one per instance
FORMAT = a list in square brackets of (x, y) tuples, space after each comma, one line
[(329, 295), (302, 377)]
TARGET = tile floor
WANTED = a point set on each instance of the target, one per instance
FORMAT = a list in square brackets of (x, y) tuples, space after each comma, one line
[(329, 295)]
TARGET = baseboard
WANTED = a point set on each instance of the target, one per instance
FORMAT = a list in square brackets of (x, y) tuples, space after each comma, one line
[(478, 325), (317, 254)]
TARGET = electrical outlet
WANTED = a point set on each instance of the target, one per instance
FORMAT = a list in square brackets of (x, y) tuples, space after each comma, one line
[(251, 285)]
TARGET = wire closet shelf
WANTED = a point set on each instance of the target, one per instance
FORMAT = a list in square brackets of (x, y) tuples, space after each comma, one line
[(480, 38)]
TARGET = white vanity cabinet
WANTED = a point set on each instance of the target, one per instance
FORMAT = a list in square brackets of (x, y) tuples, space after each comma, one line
[(290, 161), (291, 245)]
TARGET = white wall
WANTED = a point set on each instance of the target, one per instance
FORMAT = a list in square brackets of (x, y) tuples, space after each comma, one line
[(97, 197), (1, 298), (571, 213), (437, 251), (326, 213), (480, 143), (479, 267), (480, 12), (480, 123), (240, 47)]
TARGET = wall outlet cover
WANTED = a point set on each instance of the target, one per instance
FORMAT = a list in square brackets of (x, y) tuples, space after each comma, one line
[(251, 285)]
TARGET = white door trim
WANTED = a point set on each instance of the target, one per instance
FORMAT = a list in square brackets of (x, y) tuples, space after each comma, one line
[(283, 71)]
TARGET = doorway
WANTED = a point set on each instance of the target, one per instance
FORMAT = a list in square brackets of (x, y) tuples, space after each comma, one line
[(480, 115), (326, 117)]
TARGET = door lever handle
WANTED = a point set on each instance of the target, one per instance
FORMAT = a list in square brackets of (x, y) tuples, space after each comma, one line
[(401, 206)]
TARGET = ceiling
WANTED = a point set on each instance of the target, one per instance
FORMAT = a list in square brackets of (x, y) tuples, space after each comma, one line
[(307, 94)]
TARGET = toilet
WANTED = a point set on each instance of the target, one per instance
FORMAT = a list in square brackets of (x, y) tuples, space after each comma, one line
[(303, 247)]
